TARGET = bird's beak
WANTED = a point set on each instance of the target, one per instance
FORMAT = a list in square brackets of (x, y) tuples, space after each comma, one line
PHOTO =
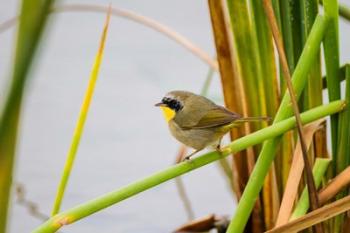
[(160, 105)]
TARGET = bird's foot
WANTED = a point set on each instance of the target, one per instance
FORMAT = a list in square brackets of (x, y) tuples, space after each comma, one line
[(188, 157)]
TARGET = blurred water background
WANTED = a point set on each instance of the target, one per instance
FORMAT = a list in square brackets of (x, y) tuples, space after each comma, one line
[(125, 137)]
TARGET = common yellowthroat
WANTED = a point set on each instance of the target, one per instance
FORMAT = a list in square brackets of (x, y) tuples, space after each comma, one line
[(198, 122)]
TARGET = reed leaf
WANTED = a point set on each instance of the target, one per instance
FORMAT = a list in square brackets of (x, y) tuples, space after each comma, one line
[(252, 78), (230, 82), (32, 23), (343, 157), (331, 55), (266, 59), (295, 174), (343, 152), (315, 217), (81, 120)]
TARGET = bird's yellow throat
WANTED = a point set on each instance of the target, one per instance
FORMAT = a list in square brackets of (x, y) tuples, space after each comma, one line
[(168, 113)]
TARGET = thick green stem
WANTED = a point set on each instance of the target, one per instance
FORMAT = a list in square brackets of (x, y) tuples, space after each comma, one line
[(343, 158), (102, 202), (318, 171), (267, 153), (32, 22)]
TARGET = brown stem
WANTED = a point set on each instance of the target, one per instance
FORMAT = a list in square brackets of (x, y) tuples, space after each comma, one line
[(315, 217), (148, 22), (335, 186), (313, 198)]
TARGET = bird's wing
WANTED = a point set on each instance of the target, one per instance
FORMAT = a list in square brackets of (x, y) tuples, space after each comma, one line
[(216, 116)]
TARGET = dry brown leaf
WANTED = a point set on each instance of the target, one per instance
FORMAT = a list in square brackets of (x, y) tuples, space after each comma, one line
[(335, 186), (295, 174), (321, 214)]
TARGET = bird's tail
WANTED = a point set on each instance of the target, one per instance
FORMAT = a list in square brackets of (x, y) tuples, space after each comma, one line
[(250, 119)]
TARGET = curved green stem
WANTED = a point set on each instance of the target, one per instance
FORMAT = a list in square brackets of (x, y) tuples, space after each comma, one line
[(76, 213)]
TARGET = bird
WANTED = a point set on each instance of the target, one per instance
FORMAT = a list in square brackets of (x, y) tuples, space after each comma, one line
[(198, 122)]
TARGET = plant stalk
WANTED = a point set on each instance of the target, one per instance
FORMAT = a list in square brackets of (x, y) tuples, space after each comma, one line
[(313, 198), (267, 153)]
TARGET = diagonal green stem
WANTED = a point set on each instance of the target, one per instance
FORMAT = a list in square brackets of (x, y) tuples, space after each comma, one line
[(76, 213), (267, 153)]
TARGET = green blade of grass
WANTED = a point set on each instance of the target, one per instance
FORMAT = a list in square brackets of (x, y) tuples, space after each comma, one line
[(343, 158), (250, 75), (331, 54), (267, 153), (32, 22), (313, 91), (247, 55), (343, 152), (83, 210), (266, 58), (320, 168), (81, 121), (290, 23)]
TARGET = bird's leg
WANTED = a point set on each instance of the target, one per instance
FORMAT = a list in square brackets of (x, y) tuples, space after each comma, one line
[(190, 155), (218, 147)]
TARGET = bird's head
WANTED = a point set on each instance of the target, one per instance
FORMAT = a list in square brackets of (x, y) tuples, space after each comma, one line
[(172, 103)]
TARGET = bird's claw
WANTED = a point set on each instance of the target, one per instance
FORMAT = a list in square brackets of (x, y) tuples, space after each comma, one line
[(187, 158)]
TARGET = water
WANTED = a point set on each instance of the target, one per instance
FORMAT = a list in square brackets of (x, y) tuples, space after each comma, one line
[(125, 137)]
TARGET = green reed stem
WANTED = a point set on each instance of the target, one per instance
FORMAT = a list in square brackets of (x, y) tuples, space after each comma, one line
[(267, 153), (344, 11), (83, 210), (343, 158), (313, 91)]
